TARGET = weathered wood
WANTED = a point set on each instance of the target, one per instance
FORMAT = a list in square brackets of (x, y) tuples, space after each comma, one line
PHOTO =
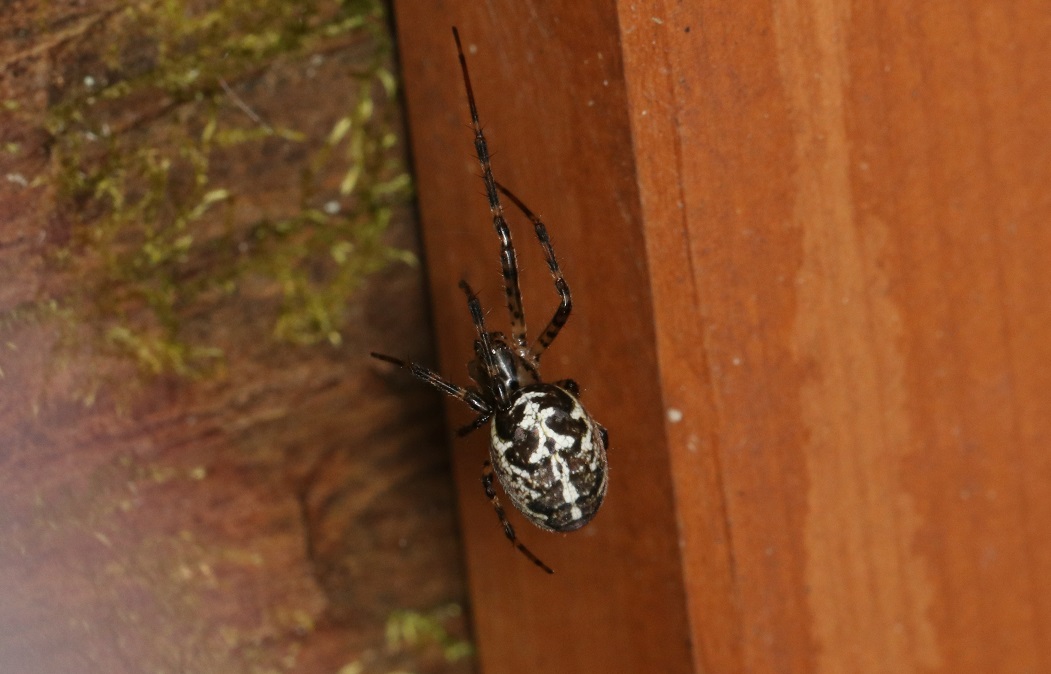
[(840, 215)]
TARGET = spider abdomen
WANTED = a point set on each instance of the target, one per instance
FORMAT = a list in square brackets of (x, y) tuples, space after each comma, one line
[(550, 457)]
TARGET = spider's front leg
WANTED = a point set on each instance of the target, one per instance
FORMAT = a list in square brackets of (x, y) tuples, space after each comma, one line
[(471, 398), (565, 305), (494, 382), (508, 261), (478, 422)]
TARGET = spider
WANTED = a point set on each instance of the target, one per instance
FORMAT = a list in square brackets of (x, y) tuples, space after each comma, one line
[(546, 450)]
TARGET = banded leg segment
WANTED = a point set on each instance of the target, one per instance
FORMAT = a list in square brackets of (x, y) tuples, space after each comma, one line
[(509, 531), (471, 398), (565, 306), (478, 422), (508, 261), (498, 389)]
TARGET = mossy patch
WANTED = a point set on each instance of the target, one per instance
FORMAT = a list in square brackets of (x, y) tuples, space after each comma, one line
[(414, 629), (152, 226)]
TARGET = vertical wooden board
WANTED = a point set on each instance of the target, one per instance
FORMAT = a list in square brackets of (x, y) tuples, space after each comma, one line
[(550, 90), (712, 141), (846, 213), (963, 181)]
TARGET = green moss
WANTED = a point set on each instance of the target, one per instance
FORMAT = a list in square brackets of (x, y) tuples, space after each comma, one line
[(149, 231), (413, 630)]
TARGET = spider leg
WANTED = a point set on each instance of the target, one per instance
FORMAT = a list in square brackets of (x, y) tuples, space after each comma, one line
[(508, 261), (471, 398), (565, 306), (509, 531), (500, 392), (478, 422), (570, 385)]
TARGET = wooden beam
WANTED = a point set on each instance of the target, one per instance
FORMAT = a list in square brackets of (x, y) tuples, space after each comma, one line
[(809, 246), (551, 96)]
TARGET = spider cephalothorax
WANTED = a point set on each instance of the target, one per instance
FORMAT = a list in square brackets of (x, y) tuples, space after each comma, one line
[(545, 449)]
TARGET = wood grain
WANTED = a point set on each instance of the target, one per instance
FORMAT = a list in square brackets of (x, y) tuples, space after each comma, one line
[(810, 246), (855, 205)]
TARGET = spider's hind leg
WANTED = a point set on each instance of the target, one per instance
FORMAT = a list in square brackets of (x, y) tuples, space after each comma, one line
[(565, 305), (509, 531)]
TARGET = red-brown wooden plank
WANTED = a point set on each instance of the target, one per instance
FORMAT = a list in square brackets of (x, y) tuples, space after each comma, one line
[(810, 248), (551, 96), (846, 210)]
